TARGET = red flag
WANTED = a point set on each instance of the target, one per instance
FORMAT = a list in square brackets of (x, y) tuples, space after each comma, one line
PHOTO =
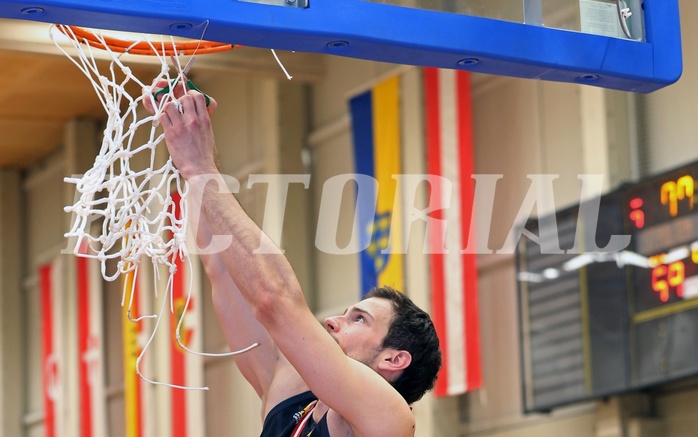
[(91, 348), (51, 287), (186, 368), (454, 274)]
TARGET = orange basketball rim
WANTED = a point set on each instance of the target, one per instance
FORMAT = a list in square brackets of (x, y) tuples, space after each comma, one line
[(117, 45)]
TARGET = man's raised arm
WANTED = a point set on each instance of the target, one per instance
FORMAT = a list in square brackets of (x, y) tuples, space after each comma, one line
[(267, 282), (239, 325)]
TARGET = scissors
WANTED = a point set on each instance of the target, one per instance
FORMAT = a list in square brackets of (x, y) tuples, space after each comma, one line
[(181, 73)]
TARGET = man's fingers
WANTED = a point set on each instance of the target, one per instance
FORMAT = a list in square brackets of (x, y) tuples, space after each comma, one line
[(174, 110), (147, 92), (193, 104), (159, 83), (199, 102), (165, 120), (188, 105), (179, 88), (212, 105), (147, 103)]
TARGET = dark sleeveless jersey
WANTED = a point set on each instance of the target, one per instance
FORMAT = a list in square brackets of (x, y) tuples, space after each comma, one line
[(282, 419)]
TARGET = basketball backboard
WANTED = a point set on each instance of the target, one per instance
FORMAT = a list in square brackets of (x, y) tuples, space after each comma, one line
[(594, 42)]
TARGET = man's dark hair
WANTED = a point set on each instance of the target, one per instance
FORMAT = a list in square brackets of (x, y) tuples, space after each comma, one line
[(413, 331)]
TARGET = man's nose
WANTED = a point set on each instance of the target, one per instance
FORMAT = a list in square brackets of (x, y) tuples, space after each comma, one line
[(331, 324)]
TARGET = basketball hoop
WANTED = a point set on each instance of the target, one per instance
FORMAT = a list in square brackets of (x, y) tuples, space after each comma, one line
[(116, 45), (135, 205)]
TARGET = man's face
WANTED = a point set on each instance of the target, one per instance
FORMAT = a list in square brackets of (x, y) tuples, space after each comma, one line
[(362, 328)]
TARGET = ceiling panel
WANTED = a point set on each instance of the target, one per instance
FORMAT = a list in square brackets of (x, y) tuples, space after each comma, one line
[(40, 89)]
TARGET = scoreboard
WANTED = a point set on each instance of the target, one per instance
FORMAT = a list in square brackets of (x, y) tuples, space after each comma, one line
[(594, 324)]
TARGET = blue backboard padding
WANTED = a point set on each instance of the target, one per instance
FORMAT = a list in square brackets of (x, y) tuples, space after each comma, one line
[(399, 35)]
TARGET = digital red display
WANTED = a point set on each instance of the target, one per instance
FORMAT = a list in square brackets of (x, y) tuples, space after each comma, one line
[(664, 229), (627, 318)]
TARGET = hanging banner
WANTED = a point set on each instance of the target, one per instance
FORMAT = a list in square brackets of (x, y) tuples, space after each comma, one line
[(448, 115), (376, 132), (53, 362)]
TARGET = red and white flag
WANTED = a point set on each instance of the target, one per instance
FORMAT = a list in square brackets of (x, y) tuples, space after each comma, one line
[(186, 368), (93, 414), (454, 274), (139, 406), (53, 360)]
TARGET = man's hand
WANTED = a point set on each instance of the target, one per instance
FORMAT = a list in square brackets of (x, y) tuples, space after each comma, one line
[(189, 135), (179, 90)]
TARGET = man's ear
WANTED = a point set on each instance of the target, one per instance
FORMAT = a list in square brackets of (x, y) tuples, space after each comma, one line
[(394, 360)]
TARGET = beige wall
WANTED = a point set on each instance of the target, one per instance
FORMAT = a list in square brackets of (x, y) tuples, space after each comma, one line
[(12, 396)]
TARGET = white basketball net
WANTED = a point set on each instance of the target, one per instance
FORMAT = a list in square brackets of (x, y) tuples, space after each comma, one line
[(135, 204), (139, 216)]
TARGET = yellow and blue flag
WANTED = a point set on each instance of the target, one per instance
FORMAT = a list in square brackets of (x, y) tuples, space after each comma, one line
[(376, 130)]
